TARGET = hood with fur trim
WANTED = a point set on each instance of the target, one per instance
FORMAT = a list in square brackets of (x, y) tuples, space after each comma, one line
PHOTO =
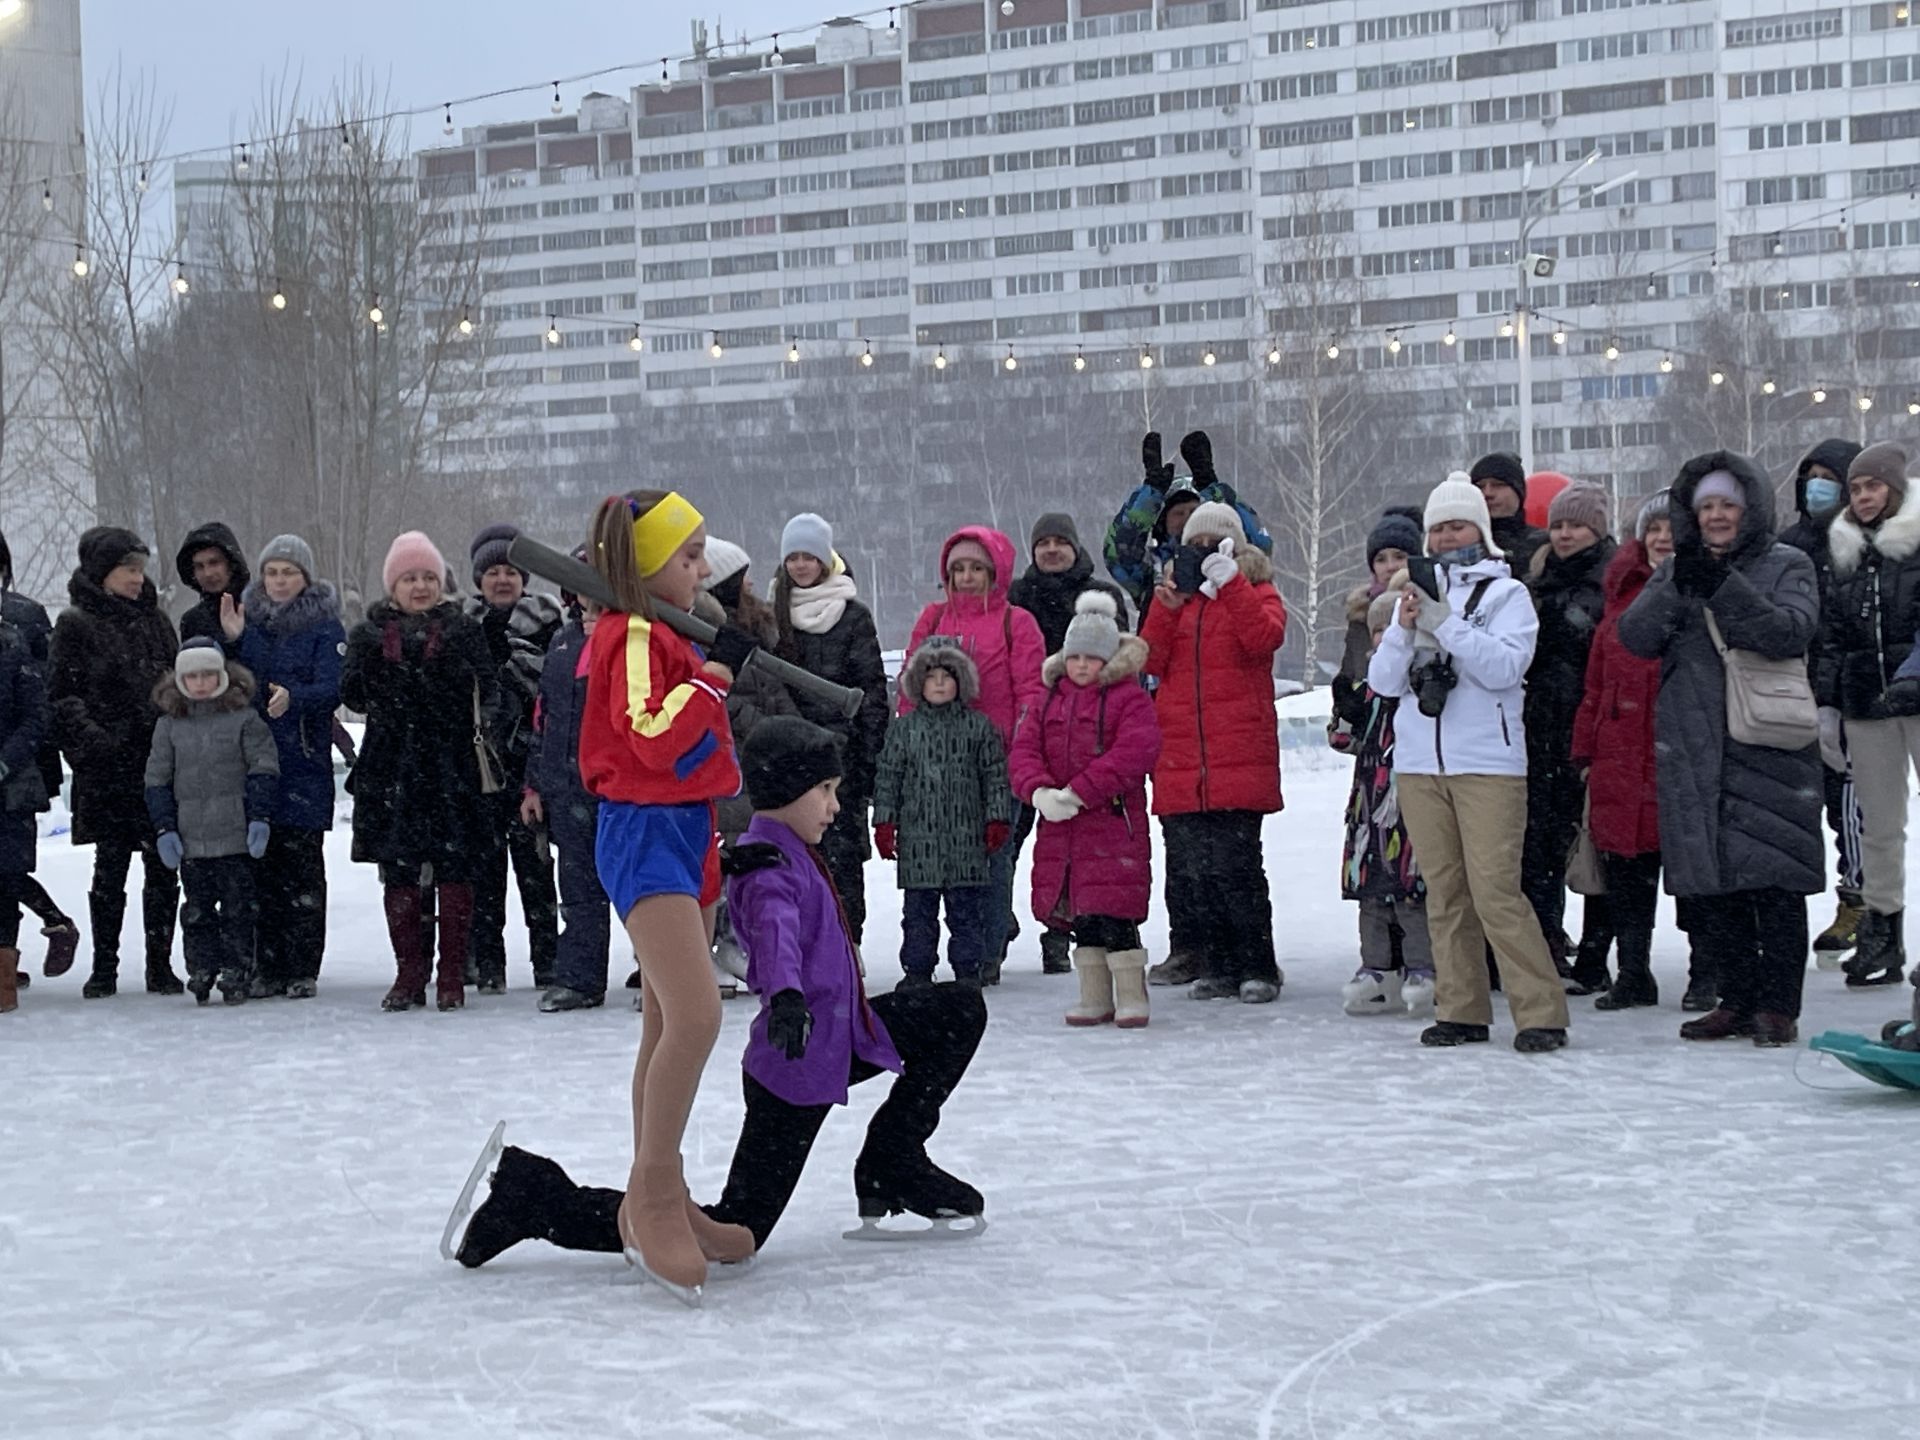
[(940, 653), (1127, 663), (1756, 520), (999, 549), (168, 699), (1896, 538)]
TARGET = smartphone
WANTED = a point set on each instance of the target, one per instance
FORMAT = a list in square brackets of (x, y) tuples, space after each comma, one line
[(1186, 570), (1422, 571)]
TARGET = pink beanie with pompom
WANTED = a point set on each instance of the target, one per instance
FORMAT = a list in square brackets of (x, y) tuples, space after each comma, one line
[(411, 551)]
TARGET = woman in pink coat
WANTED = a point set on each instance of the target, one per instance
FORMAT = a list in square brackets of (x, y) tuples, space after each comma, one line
[(1005, 645), (1082, 761)]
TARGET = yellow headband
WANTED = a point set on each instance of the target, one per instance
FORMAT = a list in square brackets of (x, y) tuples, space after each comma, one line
[(663, 530)]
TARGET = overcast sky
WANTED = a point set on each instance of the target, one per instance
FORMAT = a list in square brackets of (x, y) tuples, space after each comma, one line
[(209, 56)]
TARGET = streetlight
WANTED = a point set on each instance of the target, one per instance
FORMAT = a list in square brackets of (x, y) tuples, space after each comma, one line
[(11, 8)]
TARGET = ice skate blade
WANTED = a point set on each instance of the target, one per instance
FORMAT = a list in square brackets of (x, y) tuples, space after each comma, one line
[(946, 1228), (637, 1273), (1830, 959), (456, 1230)]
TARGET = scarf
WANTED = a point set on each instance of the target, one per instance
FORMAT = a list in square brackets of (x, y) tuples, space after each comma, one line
[(817, 609)]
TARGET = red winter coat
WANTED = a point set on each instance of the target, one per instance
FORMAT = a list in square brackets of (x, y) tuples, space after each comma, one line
[(1101, 742), (1613, 731), (1214, 662), (1003, 640)]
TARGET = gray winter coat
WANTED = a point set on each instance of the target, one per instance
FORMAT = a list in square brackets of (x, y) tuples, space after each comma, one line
[(213, 767), (1732, 817)]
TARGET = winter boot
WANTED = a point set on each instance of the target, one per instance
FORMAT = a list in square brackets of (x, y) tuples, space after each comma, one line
[(1841, 935), (456, 930), (1182, 967), (200, 985), (106, 913), (914, 980), (1445, 1034), (1258, 992), (1373, 992), (564, 997), (658, 1236), (1056, 952), (161, 980), (101, 983), (1538, 1040), (1590, 964), (63, 944), (407, 932), (1629, 990), (1718, 1024), (1214, 987), (1771, 1031), (1416, 993), (9, 979), (1880, 954), (1129, 969), (1096, 988)]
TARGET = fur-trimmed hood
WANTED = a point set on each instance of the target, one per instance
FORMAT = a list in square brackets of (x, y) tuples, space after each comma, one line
[(943, 653), (1896, 538), (315, 605), (168, 699), (1127, 663), (1360, 599)]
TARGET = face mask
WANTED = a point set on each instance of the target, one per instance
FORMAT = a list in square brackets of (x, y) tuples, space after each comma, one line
[(1823, 496)]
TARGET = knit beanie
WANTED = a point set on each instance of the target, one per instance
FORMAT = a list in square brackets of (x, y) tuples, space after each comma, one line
[(1057, 526), (411, 551), (806, 534), (1395, 530), (1719, 485), (1094, 630), (1455, 498), (1885, 462), (200, 656), (1583, 505), (1655, 507), (968, 550), (105, 547), (726, 560), (783, 757), (1214, 519), (291, 550), (489, 549), (1503, 468)]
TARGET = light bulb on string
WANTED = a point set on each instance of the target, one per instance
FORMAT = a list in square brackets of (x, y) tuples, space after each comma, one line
[(1146, 358), (866, 356), (716, 349), (1006, 7), (1666, 364), (466, 323), (1506, 329), (80, 266), (1819, 394), (776, 59), (180, 286), (1612, 352), (446, 125), (940, 358), (375, 315), (890, 19), (1718, 377), (1273, 355), (245, 162), (1393, 342), (1449, 338), (1559, 335), (1913, 406), (1333, 350), (1011, 363), (793, 352), (1767, 387), (1865, 402), (557, 106), (1209, 358), (1652, 288), (1080, 358), (278, 300), (1779, 245), (141, 183), (553, 330), (635, 343)]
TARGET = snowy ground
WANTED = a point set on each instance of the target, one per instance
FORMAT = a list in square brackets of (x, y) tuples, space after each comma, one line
[(1241, 1222)]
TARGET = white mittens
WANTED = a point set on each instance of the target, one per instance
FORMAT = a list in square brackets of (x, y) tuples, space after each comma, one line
[(1058, 806), (1219, 569)]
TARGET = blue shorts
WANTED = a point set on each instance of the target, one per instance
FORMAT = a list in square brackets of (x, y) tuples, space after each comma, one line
[(647, 850)]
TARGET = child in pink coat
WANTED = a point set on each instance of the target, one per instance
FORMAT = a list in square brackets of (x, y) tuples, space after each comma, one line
[(1005, 645), (1082, 761)]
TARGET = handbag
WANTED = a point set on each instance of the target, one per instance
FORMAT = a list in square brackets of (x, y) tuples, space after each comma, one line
[(1769, 702), (1585, 874), (492, 781)]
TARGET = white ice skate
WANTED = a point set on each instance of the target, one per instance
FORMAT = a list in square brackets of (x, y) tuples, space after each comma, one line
[(456, 1231), (637, 1273), (943, 1227), (729, 965), (1416, 993), (1373, 992)]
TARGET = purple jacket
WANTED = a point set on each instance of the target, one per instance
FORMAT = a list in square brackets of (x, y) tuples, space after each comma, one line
[(1101, 742), (788, 919)]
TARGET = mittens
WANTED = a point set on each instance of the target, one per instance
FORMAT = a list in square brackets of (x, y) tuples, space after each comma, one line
[(258, 833), (1159, 476), (1057, 806), (172, 852), (1197, 451), (886, 839), (998, 832), (732, 647), (1219, 569)]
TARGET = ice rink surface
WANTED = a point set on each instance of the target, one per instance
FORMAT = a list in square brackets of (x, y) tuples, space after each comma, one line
[(1244, 1221)]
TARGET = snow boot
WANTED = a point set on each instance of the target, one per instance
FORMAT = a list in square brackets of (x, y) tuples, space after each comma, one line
[(1842, 934), (63, 944), (1373, 992), (1183, 967), (557, 998), (1445, 1034), (1416, 993), (1214, 987), (1880, 954), (1718, 1024), (161, 980), (1590, 966), (9, 979), (1258, 992), (407, 932), (1629, 990), (1129, 969), (456, 933), (200, 984), (914, 980), (101, 984), (1056, 952), (1538, 1040), (1096, 988), (1771, 1031)]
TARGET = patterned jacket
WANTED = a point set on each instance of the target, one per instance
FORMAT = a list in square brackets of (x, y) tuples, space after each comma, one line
[(1377, 861)]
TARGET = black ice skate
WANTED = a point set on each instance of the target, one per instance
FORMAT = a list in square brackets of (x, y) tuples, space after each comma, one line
[(453, 1238), (955, 1208)]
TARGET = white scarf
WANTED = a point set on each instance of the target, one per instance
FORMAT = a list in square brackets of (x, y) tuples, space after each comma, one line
[(817, 609)]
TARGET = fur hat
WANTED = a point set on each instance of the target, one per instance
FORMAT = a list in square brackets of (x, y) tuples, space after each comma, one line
[(290, 549), (806, 534), (1095, 628), (1058, 526), (1502, 467), (489, 549), (1583, 505), (783, 757), (727, 560), (1397, 529), (411, 551), (1456, 498), (201, 656), (1655, 507), (104, 548), (1885, 462), (941, 652), (1216, 519)]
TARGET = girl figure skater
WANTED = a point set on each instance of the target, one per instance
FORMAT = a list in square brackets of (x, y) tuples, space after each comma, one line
[(656, 750)]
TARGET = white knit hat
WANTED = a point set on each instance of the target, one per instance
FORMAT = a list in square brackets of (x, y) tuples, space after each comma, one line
[(1456, 498), (726, 560), (1213, 518), (1095, 628)]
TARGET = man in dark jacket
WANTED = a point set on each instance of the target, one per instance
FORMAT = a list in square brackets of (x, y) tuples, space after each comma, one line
[(1146, 532), (1502, 479), (519, 627), (1819, 494), (1059, 572), (211, 562)]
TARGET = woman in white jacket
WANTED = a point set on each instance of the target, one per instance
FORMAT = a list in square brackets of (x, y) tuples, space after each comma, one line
[(1460, 765)]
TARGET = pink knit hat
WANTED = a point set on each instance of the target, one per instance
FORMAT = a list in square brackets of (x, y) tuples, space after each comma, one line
[(411, 551)]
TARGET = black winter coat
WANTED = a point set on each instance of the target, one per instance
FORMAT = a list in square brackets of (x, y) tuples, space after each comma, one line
[(848, 654), (106, 655), (1806, 534), (1051, 598), (553, 761), (517, 640), (204, 618), (29, 617), (1871, 612), (23, 731), (1570, 600), (1518, 540), (416, 788), (1733, 817)]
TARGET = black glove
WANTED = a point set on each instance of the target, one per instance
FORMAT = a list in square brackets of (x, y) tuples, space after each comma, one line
[(745, 859), (1158, 476), (733, 647), (1197, 451), (1899, 699), (1698, 572), (789, 1024)]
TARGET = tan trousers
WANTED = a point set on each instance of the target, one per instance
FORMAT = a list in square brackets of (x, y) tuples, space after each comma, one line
[(1879, 750), (1467, 832)]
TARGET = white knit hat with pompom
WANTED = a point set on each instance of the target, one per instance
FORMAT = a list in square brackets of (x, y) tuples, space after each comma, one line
[(1095, 628)]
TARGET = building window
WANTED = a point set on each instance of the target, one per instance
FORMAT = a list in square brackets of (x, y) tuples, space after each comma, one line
[(1429, 71), (1786, 189), (1775, 29)]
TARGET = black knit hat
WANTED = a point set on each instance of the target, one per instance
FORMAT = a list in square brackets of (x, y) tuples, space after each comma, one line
[(104, 548), (1057, 525), (1503, 468), (784, 757), (490, 549), (1398, 529)]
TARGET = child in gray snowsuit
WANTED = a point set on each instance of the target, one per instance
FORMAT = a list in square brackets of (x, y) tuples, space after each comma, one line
[(212, 777)]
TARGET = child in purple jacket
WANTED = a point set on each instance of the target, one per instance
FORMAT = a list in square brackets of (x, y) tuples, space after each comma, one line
[(816, 1035)]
